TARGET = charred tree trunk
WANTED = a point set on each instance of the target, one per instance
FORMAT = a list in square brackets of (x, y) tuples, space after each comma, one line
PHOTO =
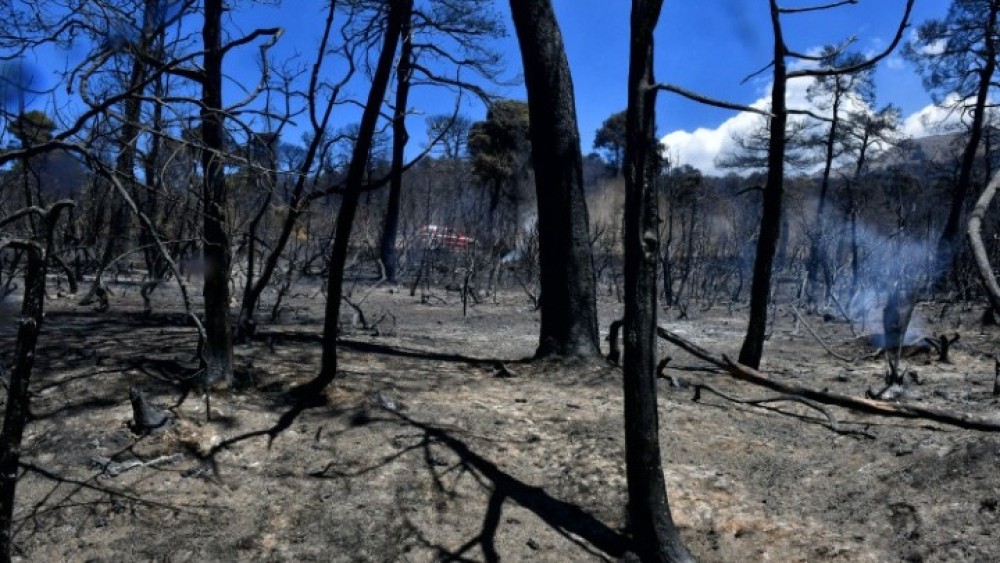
[(118, 230), (817, 250), (298, 202), (398, 12), (17, 411), (218, 353), (246, 324), (16, 415), (770, 222), (655, 536), (568, 286), (948, 245), (895, 321), (390, 227)]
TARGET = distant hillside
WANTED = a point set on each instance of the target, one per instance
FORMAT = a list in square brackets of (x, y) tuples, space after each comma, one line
[(924, 151)]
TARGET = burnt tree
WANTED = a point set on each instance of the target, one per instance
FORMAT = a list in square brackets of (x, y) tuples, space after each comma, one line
[(397, 12), (966, 66), (400, 136), (770, 224), (16, 412), (655, 536), (218, 352), (568, 302)]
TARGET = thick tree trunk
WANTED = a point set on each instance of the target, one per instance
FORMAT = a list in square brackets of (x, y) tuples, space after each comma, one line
[(567, 293), (655, 536), (986, 276), (770, 222), (398, 12), (390, 226), (218, 352), (948, 244)]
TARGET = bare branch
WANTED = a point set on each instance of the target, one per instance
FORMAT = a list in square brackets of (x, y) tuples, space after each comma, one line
[(816, 8), (903, 24), (756, 73), (709, 101)]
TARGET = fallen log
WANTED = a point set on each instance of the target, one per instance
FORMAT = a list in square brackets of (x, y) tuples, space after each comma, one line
[(858, 404)]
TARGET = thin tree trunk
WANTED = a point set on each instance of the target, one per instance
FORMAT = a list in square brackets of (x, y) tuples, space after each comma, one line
[(118, 230), (567, 292), (390, 226), (770, 222), (16, 412), (218, 351), (297, 204), (398, 12), (817, 250), (655, 536), (948, 244)]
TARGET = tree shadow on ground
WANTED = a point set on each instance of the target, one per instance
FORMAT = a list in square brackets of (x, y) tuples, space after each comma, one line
[(277, 338), (567, 519)]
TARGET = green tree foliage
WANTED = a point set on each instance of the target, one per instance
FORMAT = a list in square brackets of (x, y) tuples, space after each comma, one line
[(610, 140), (33, 128), (500, 145), (959, 54), (952, 54)]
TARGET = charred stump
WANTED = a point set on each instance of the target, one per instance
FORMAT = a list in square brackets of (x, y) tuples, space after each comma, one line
[(145, 416), (895, 320)]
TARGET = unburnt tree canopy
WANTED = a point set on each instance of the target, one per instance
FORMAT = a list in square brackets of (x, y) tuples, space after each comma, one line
[(33, 127), (500, 144), (958, 55), (610, 139), (952, 53)]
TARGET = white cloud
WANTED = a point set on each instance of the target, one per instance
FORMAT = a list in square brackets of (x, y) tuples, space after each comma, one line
[(702, 147), (933, 48), (933, 119), (894, 63)]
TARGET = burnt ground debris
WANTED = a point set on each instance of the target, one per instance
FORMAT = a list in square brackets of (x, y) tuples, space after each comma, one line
[(421, 452)]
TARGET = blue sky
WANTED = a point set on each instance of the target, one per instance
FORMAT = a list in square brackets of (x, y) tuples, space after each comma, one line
[(708, 46)]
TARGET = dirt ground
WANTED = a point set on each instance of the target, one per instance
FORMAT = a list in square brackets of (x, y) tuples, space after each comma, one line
[(424, 453)]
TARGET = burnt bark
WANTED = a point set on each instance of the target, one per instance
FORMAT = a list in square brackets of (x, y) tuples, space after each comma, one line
[(218, 352), (145, 416), (125, 161), (948, 244), (895, 320), (770, 222), (17, 412), (398, 12), (299, 201), (655, 536), (400, 136), (568, 286), (817, 250)]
